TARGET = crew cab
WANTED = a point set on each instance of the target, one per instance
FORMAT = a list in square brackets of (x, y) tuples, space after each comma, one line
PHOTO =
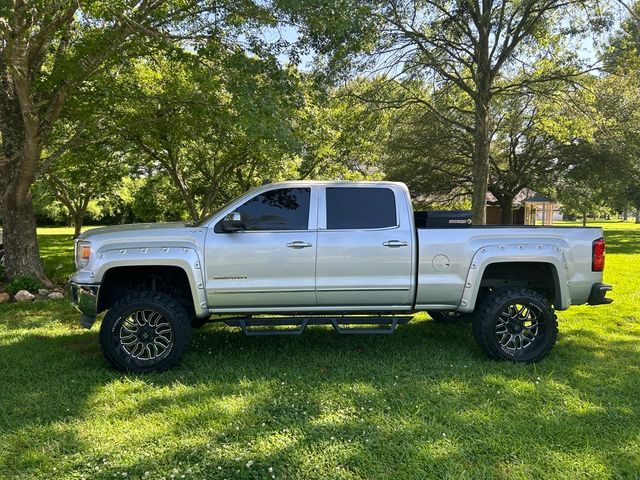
[(348, 254)]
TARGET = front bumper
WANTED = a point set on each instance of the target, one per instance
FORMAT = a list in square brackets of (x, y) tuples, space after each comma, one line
[(85, 299), (598, 292)]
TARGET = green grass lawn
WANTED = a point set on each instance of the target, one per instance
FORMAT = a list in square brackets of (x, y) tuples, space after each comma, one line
[(422, 403)]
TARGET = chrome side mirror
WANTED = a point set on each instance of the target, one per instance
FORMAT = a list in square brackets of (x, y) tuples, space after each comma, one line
[(232, 222)]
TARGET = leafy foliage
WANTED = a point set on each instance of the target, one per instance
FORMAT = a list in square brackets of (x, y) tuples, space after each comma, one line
[(529, 135), (24, 282), (208, 123)]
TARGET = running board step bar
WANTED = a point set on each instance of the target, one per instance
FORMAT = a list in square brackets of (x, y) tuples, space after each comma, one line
[(375, 325)]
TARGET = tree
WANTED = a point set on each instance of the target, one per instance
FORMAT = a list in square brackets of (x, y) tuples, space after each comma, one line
[(338, 137), (621, 104), (580, 192), (610, 171), (49, 48), (83, 175), (430, 154), (528, 135), (474, 46), (214, 124)]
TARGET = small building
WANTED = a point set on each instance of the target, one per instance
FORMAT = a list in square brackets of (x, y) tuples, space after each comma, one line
[(540, 210), (529, 208)]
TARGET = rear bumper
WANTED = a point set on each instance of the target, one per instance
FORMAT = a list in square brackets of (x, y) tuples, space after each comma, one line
[(85, 299), (598, 292)]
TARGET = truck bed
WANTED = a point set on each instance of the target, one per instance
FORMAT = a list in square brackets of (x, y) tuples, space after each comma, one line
[(451, 261)]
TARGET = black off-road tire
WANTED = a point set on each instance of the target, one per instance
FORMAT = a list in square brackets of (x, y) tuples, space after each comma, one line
[(145, 313), (502, 306), (451, 318)]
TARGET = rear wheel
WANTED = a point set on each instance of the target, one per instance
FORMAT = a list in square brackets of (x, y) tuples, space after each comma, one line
[(516, 324), (145, 332), (448, 317)]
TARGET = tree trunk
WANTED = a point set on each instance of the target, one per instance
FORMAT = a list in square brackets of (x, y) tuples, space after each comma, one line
[(189, 199), (78, 220), (480, 162), (22, 256), (21, 149), (584, 219), (506, 212), (625, 214), (637, 216)]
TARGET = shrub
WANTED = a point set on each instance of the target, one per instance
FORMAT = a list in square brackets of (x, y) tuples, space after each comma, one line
[(2, 274), (23, 283)]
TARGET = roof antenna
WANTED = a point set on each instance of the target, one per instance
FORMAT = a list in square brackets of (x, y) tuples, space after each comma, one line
[(266, 181)]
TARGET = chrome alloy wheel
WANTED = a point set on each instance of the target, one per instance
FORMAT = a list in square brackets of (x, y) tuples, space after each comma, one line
[(518, 326), (146, 335)]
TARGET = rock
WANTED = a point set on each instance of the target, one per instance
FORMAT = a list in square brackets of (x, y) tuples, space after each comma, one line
[(56, 296), (4, 297), (58, 289), (43, 292), (24, 296)]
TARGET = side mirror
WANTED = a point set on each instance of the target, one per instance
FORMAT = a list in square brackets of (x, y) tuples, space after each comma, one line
[(232, 222)]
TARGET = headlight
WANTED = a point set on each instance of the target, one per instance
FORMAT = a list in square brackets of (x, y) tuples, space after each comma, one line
[(83, 254)]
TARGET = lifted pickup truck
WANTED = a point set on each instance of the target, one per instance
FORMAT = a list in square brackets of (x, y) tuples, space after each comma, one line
[(344, 254)]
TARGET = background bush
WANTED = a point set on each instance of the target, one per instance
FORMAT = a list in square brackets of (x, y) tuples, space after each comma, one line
[(23, 283)]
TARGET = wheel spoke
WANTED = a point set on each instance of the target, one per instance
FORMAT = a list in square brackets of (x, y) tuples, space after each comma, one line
[(517, 326), (160, 329), (145, 335), (127, 329), (154, 318)]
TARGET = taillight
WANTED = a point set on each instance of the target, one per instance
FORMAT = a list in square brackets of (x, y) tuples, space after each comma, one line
[(597, 255)]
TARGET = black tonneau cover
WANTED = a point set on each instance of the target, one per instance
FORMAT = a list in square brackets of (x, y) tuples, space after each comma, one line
[(443, 219)]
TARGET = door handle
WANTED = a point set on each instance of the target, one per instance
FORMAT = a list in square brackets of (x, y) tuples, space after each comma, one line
[(395, 244), (299, 244)]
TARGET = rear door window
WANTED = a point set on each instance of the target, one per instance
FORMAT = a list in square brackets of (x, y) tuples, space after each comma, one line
[(360, 208)]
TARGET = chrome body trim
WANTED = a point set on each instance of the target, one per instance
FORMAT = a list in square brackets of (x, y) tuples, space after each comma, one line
[(84, 298)]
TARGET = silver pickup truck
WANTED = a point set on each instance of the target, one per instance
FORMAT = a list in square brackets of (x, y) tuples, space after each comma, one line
[(347, 254)]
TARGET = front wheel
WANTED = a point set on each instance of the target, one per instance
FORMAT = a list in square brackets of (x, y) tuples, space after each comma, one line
[(516, 324), (145, 332)]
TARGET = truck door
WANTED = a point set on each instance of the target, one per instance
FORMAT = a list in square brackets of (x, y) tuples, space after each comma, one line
[(271, 263), (365, 247)]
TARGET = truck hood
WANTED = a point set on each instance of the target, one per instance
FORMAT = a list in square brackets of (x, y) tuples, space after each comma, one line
[(133, 229), (145, 235)]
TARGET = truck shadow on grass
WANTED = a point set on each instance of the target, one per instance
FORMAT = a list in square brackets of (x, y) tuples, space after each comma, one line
[(417, 404)]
